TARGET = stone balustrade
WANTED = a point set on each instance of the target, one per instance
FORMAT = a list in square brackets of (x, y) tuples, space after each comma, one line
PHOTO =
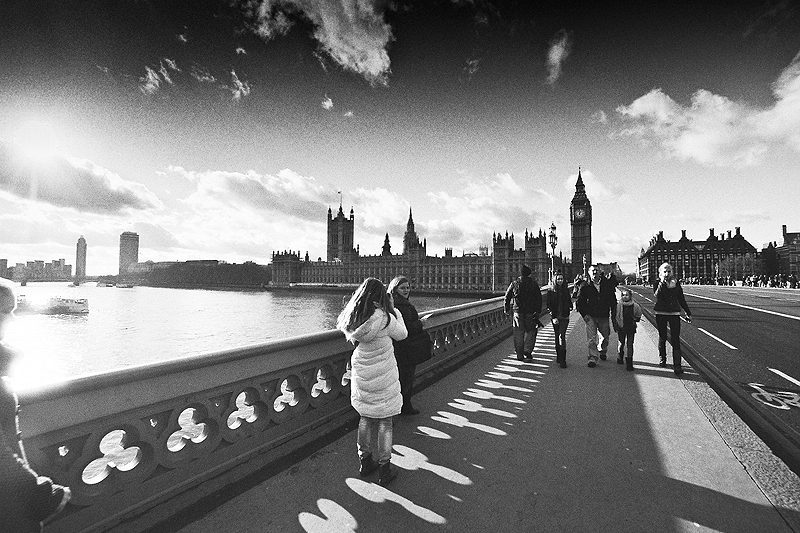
[(138, 445)]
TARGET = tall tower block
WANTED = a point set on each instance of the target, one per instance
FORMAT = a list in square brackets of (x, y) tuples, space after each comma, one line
[(128, 251), (580, 218), (80, 259)]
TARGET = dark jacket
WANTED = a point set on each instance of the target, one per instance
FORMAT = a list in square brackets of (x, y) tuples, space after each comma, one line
[(25, 498), (403, 348), (597, 304), (669, 301), (523, 296), (559, 300)]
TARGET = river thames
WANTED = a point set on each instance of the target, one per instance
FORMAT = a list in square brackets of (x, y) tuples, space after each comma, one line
[(140, 325)]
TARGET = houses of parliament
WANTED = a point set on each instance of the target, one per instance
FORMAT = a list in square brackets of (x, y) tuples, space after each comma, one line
[(472, 272)]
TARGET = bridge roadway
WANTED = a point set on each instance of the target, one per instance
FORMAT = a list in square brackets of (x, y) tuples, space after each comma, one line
[(504, 445)]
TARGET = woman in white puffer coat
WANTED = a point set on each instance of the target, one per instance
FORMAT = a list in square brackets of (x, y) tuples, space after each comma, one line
[(370, 319)]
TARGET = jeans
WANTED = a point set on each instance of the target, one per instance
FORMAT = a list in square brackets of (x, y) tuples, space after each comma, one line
[(406, 373), (524, 329), (595, 326), (372, 431), (560, 330), (674, 323), (626, 343)]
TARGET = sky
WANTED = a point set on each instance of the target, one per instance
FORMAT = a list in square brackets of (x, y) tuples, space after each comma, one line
[(225, 130)]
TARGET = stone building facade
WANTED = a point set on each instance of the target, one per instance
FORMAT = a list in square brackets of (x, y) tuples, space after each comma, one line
[(695, 259)]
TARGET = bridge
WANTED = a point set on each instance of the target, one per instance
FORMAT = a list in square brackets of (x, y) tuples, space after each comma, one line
[(260, 439)]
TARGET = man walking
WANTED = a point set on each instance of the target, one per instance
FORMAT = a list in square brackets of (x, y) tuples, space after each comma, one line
[(597, 303), (524, 298)]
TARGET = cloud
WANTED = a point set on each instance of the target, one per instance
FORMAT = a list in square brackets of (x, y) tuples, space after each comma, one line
[(73, 183), (600, 117), (327, 103), (348, 113), (182, 37), (774, 14), (471, 67), (240, 51), (503, 204), (202, 74), (352, 33), (287, 193), (151, 82), (240, 89), (560, 48), (715, 130)]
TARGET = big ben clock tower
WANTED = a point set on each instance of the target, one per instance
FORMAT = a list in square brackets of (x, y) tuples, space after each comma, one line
[(580, 218)]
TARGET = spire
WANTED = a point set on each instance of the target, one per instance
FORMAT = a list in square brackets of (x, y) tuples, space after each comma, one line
[(410, 223), (579, 184)]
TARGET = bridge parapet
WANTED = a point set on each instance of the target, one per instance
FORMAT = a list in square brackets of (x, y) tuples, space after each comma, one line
[(138, 445)]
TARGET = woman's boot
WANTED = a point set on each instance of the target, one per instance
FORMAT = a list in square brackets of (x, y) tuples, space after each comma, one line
[(386, 474), (368, 466), (676, 364), (629, 363)]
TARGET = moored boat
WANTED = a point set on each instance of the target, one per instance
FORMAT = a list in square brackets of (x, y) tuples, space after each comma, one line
[(54, 306)]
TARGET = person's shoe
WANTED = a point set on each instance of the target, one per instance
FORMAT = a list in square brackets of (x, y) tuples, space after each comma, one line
[(677, 369), (592, 363), (629, 364), (619, 359), (386, 474), (562, 364), (520, 358), (663, 362), (409, 410), (368, 466), (603, 356)]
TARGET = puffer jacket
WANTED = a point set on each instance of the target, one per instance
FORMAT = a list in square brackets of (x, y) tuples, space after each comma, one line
[(374, 380), (669, 300)]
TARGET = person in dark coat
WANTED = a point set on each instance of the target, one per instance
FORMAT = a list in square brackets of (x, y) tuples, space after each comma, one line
[(597, 303), (559, 302), (669, 302), (524, 299), (407, 350), (26, 499)]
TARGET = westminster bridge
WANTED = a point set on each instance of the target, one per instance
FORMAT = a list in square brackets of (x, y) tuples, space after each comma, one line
[(504, 444)]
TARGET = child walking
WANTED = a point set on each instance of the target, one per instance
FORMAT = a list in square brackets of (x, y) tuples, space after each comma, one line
[(628, 314), (370, 319)]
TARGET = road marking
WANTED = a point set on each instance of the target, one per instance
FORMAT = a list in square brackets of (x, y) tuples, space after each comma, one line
[(781, 374), (793, 317), (732, 347)]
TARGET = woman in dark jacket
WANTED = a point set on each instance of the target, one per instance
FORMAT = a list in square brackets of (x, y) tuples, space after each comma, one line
[(26, 499), (669, 302), (407, 351), (559, 302)]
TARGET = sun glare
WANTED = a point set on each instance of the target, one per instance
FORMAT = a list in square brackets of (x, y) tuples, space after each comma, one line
[(36, 141)]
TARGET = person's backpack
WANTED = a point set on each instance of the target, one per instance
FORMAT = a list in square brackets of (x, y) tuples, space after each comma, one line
[(524, 290)]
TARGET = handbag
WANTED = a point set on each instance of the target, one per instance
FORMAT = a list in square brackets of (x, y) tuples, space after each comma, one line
[(419, 348)]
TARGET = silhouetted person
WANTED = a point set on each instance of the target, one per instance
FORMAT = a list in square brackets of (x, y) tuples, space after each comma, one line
[(559, 303), (524, 299), (669, 302), (597, 303), (26, 499)]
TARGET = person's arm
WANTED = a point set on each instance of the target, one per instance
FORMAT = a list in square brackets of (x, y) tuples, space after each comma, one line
[(509, 296), (580, 302), (682, 301), (397, 327)]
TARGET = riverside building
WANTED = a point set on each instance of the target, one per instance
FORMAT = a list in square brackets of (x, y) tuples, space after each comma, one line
[(481, 272), (80, 259), (128, 251), (699, 259)]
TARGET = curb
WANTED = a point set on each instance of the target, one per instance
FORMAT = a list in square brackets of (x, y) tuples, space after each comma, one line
[(781, 439)]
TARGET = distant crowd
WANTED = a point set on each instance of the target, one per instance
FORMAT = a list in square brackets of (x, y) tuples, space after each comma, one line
[(781, 281)]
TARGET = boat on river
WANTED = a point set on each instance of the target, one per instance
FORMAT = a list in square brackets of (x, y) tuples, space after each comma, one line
[(53, 306)]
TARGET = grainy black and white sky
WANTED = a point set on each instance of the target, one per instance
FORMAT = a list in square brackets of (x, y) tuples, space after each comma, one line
[(226, 129)]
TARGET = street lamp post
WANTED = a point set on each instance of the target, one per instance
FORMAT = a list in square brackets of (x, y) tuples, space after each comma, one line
[(553, 240)]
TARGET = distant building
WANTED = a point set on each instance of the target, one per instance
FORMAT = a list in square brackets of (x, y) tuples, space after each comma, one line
[(783, 259), (472, 272), (38, 270), (80, 259), (4, 268), (699, 259), (128, 251)]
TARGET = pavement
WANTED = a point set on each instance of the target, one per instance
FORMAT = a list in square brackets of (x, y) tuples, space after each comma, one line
[(522, 447)]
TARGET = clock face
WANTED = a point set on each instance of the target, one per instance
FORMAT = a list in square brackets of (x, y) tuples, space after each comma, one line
[(580, 213)]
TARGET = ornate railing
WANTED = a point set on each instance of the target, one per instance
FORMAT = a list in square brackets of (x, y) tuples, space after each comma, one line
[(138, 445)]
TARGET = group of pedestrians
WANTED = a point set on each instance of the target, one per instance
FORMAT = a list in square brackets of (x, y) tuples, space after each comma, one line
[(602, 305)]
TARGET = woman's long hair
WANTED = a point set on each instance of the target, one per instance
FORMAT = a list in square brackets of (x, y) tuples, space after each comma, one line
[(396, 282), (362, 305)]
